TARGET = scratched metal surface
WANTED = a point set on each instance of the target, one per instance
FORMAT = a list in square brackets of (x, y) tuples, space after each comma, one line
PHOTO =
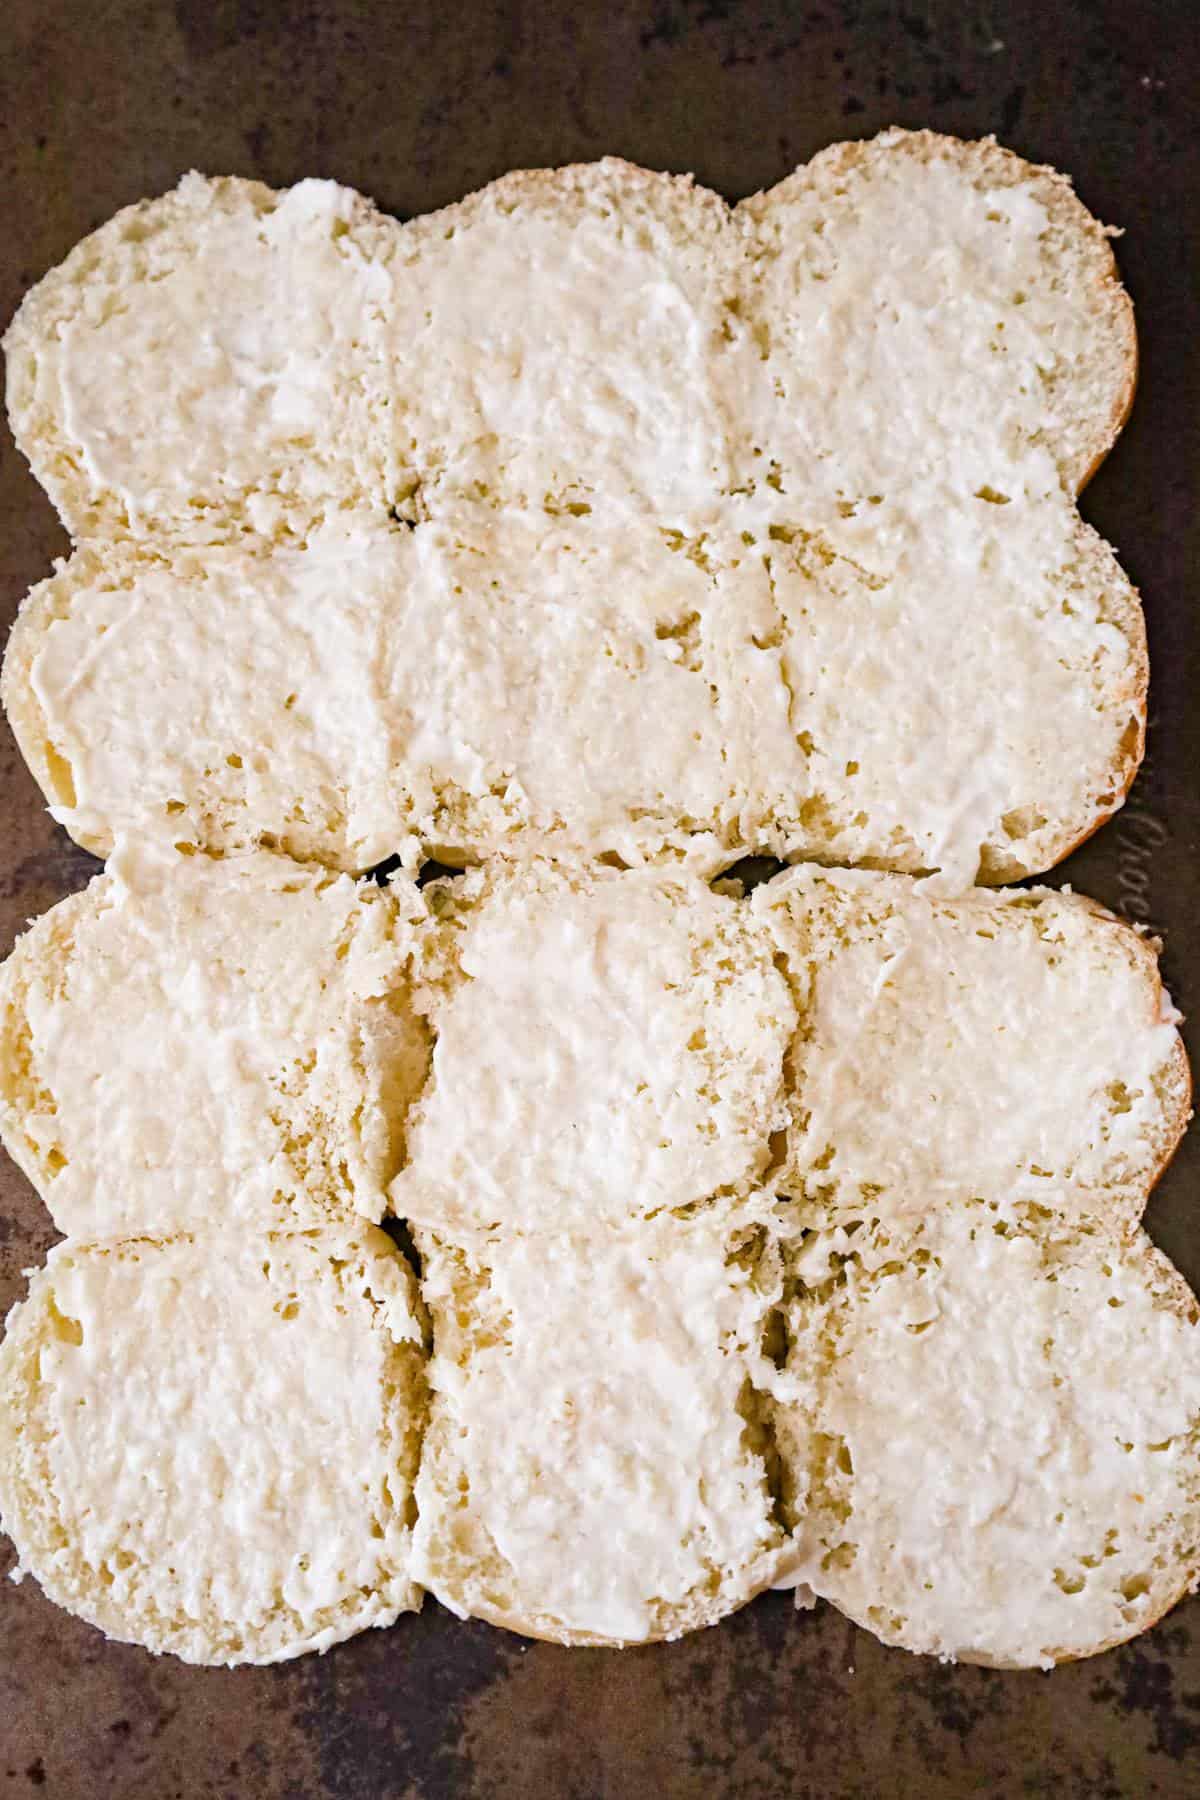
[(101, 103)]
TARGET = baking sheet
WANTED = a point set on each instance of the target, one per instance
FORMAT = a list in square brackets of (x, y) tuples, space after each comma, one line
[(102, 103)]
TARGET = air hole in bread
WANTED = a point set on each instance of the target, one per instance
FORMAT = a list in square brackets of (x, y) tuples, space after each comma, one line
[(60, 775)]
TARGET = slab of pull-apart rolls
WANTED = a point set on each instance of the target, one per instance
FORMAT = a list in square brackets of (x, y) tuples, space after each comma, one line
[(589, 513), (623, 1044), (710, 1196)]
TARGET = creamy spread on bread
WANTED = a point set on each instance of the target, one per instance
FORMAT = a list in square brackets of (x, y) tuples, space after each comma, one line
[(734, 530), (207, 1445), (999, 1430), (601, 533), (629, 1502)]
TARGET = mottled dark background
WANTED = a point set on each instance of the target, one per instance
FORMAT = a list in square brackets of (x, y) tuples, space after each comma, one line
[(105, 101)]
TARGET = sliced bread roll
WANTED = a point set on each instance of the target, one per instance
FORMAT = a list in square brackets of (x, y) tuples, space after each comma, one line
[(608, 1047), (597, 1468), (558, 340), (191, 1043), (931, 312), (210, 363), (1014, 1046), (208, 1445), (901, 651), (991, 1435), (869, 445)]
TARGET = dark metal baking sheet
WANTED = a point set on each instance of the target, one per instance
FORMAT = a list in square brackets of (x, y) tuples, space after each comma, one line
[(104, 101)]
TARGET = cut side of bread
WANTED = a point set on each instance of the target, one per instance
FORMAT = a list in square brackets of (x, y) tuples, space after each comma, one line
[(535, 1048), (208, 1446), (963, 694), (506, 686), (992, 1435), (557, 341), (210, 363), (227, 357), (761, 521), (933, 310), (1017, 1047), (608, 1047), (193, 1043), (738, 1220), (455, 691), (597, 1467)]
